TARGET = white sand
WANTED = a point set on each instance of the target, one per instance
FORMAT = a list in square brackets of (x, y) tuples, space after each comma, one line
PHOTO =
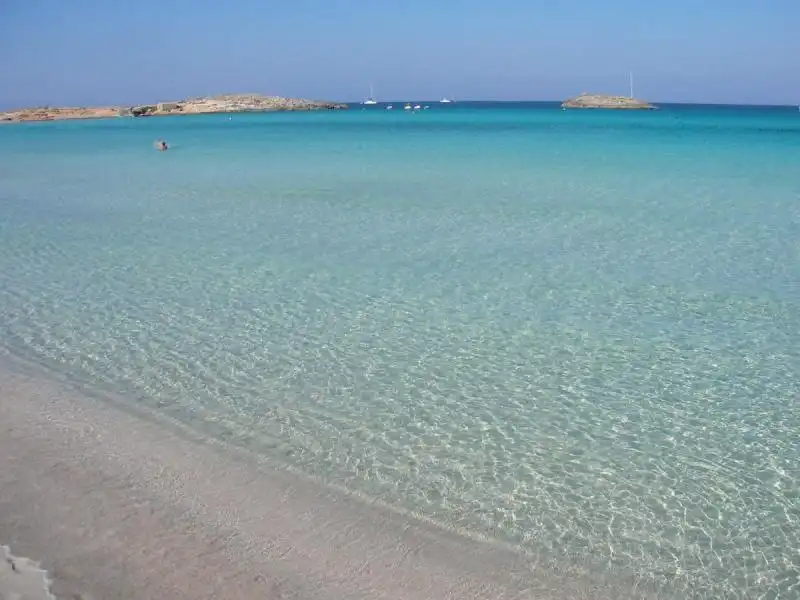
[(21, 578), (116, 505)]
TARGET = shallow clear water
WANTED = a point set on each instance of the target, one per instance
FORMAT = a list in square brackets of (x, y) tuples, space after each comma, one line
[(578, 332)]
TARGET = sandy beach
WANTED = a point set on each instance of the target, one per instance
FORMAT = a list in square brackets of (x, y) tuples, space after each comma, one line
[(117, 505)]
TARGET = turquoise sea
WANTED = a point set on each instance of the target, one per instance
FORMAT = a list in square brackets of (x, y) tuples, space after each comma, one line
[(574, 332)]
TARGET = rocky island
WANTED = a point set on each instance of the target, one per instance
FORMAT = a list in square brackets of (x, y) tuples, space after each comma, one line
[(230, 103), (603, 101)]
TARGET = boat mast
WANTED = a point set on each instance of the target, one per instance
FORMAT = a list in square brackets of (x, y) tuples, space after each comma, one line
[(630, 80)]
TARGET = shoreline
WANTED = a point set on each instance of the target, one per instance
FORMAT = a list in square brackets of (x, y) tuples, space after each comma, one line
[(145, 510), (20, 577), (223, 104), (157, 115)]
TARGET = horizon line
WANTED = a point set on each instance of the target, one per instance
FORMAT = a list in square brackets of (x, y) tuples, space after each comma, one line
[(518, 100), (395, 101)]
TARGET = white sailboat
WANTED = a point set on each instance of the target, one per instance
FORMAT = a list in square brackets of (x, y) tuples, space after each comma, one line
[(371, 98), (445, 100)]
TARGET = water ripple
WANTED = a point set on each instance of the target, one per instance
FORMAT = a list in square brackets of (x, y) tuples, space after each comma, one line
[(574, 365)]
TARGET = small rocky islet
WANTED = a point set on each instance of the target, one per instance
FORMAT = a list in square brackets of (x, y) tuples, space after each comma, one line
[(603, 101), (229, 103)]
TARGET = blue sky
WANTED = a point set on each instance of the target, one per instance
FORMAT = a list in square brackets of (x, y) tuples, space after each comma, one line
[(113, 51)]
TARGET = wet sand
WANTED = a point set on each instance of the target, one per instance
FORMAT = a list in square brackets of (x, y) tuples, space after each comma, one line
[(21, 578), (118, 505)]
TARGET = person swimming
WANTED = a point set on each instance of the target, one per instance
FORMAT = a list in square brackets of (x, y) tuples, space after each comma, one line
[(160, 145)]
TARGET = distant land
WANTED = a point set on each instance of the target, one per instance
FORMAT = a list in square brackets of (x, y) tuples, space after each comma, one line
[(229, 103), (604, 101)]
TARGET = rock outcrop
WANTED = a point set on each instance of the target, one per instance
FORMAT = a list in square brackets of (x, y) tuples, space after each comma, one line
[(603, 101), (143, 111), (243, 103), (231, 103)]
